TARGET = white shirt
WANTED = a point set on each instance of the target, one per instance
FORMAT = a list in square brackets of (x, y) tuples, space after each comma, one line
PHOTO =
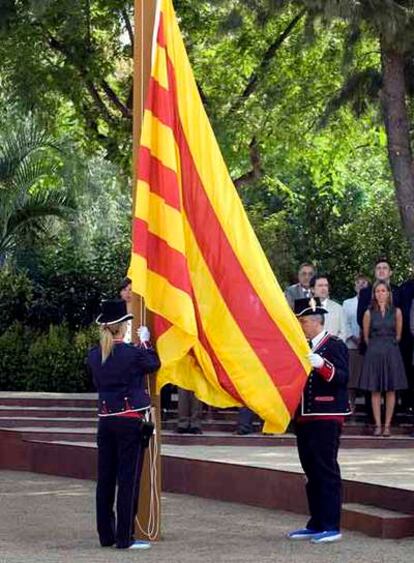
[(314, 343), (128, 332), (350, 307), (306, 291), (335, 319)]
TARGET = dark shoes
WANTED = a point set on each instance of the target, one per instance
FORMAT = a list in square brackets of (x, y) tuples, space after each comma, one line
[(189, 430), (242, 432), (194, 430)]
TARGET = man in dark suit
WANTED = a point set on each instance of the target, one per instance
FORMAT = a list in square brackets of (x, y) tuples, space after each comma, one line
[(382, 272), (318, 422), (302, 289), (406, 296)]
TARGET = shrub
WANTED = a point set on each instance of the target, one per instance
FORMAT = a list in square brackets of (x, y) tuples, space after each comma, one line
[(16, 292), (56, 361), (71, 283), (14, 346)]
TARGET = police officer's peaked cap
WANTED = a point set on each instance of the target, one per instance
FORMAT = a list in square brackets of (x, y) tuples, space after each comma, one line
[(309, 306), (113, 311)]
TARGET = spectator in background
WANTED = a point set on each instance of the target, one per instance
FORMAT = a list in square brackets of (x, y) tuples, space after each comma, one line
[(406, 296), (166, 399), (189, 413), (353, 337), (383, 368), (382, 272), (411, 324), (245, 419), (335, 319), (125, 293), (301, 290)]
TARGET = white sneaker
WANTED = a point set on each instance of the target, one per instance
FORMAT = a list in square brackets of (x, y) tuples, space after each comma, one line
[(140, 544)]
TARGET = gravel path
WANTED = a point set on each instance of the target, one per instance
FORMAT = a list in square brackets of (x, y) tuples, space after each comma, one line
[(46, 519)]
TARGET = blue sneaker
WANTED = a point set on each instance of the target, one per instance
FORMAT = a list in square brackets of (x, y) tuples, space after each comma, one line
[(302, 534), (326, 537), (140, 544)]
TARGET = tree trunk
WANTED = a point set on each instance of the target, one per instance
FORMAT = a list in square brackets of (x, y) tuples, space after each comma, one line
[(398, 136)]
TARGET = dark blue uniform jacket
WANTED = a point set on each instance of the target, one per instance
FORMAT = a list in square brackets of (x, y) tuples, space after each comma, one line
[(120, 381), (328, 394)]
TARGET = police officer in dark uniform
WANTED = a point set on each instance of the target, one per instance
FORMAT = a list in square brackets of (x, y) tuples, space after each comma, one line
[(118, 370), (318, 423)]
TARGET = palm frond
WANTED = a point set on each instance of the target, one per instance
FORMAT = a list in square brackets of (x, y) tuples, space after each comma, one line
[(17, 145), (31, 171), (37, 207)]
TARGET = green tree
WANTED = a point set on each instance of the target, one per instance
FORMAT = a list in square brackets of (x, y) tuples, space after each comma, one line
[(30, 194), (267, 71), (391, 23), (76, 69)]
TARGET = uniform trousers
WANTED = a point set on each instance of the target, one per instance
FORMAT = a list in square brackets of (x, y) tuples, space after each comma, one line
[(318, 444), (120, 455)]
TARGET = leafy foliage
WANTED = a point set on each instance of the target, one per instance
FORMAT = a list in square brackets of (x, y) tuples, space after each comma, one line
[(292, 89), (71, 285), (56, 361), (30, 191), (77, 66), (14, 346), (50, 361), (16, 293)]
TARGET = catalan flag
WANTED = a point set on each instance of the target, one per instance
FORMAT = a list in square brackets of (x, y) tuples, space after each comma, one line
[(222, 325)]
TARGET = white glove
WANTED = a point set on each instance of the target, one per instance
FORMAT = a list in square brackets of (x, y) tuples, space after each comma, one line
[(316, 360), (143, 334)]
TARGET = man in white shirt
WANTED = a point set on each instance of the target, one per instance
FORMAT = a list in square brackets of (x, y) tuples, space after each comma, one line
[(335, 319), (353, 336), (125, 293)]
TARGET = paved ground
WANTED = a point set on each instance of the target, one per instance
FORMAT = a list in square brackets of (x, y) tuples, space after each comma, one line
[(46, 519), (390, 467)]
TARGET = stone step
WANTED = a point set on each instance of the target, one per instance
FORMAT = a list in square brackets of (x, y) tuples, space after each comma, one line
[(350, 428), (88, 434), (52, 406), (18, 422), (8, 414), (74, 401), (376, 521), (13, 398), (50, 434), (10, 419), (12, 411), (225, 439)]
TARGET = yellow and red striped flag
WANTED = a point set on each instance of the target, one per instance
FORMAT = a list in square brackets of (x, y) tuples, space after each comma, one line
[(223, 327)]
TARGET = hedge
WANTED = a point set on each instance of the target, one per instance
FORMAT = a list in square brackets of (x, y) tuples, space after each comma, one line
[(50, 361)]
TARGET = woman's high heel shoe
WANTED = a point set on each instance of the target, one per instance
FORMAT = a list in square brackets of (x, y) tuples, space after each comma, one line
[(387, 432), (377, 431)]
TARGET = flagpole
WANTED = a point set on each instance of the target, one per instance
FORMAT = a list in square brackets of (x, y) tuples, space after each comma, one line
[(148, 521)]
